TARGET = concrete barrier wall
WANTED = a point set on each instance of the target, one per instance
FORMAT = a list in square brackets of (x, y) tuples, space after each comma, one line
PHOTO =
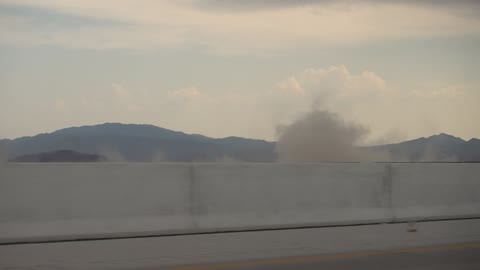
[(288, 195), (71, 201), (41, 202), (423, 191)]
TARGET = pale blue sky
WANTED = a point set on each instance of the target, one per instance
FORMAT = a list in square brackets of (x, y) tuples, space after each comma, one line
[(239, 71)]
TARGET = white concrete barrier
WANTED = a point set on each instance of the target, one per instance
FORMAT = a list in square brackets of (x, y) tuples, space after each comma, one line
[(274, 195), (429, 191), (46, 202), (70, 201)]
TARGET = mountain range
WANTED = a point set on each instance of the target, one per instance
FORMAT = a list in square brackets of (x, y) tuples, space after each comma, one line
[(144, 143), (441, 147)]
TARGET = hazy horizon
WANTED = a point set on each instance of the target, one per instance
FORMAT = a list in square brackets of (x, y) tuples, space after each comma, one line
[(232, 135)]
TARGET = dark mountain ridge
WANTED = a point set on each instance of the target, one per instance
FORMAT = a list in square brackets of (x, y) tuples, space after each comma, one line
[(60, 156), (441, 147), (129, 142), (143, 143)]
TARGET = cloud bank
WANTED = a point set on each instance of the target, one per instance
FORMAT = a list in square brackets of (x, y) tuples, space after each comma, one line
[(269, 25), (249, 5)]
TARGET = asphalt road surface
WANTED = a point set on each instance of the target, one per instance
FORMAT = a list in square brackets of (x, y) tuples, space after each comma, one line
[(435, 245), (459, 256)]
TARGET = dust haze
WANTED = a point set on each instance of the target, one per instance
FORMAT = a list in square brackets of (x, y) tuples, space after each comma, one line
[(323, 136), (111, 154)]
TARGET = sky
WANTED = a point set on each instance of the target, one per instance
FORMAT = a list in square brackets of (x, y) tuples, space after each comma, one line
[(401, 69)]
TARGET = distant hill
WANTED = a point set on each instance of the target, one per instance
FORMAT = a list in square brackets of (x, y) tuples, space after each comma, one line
[(442, 147), (128, 142), (60, 156), (143, 143)]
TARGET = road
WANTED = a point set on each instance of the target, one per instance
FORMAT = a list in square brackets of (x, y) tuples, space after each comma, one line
[(458, 256), (435, 245)]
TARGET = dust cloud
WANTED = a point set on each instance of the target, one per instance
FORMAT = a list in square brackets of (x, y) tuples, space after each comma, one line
[(111, 154), (323, 136)]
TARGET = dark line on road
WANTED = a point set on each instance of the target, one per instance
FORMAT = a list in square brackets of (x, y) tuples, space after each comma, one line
[(153, 235)]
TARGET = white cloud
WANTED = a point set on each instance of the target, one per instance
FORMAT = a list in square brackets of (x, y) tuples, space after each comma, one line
[(443, 92), (320, 87), (60, 105), (120, 91), (189, 92), (291, 85), (145, 24)]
